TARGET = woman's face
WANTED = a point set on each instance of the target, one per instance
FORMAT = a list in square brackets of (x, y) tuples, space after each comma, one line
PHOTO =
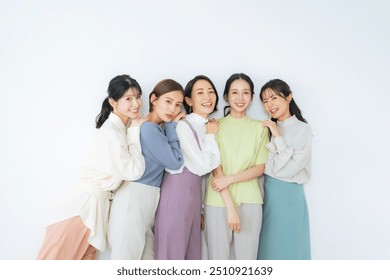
[(275, 105), (239, 97), (128, 106), (168, 105), (203, 98)]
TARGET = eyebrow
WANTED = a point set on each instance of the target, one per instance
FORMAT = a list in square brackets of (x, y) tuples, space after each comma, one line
[(167, 97), (242, 90), (204, 88), (132, 94)]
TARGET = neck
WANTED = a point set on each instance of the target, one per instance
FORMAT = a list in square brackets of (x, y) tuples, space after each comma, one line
[(201, 114), (237, 115), (152, 117)]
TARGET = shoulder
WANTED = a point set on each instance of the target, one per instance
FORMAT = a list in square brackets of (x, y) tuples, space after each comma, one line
[(301, 131), (109, 131), (256, 125), (149, 126), (150, 130), (303, 128)]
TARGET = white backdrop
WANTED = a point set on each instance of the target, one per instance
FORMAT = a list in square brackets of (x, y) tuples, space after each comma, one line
[(57, 57)]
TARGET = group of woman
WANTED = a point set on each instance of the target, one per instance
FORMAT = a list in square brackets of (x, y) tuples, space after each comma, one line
[(140, 191)]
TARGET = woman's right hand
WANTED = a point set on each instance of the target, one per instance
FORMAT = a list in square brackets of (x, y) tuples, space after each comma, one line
[(137, 121), (179, 116), (212, 126), (233, 220)]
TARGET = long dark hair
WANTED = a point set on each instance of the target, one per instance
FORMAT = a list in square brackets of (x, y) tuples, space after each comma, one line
[(117, 87), (237, 76), (164, 87), (282, 89), (188, 92)]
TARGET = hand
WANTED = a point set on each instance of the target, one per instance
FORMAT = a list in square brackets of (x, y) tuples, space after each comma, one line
[(212, 126), (179, 116), (137, 122), (272, 127), (220, 183), (233, 220), (201, 222)]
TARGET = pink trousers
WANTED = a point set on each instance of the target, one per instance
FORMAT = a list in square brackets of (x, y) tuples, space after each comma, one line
[(67, 240)]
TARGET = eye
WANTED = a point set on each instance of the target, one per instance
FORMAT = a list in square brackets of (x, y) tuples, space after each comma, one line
[(178, 105), (138, 97), (265, 101), (169, 101), (247, 92)]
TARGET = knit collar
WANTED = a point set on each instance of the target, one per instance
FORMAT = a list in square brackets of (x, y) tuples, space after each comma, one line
[(288, 121)]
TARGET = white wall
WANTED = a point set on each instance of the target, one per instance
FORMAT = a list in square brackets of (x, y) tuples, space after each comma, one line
[(57, 57)]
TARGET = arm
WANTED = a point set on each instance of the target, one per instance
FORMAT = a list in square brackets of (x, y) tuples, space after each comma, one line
[(286, 161), (163, 148), (200, 161), (222, 182), (233, 217), (128, 163)]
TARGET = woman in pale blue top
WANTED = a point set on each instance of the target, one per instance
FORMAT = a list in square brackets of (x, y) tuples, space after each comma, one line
[(133, 209), (285, 233)]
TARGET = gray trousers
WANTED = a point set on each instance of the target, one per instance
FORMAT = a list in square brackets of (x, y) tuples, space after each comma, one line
[(222, 243)]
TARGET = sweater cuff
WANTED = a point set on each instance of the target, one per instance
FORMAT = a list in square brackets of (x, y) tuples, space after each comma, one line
[(170, 130), (133, 135), (280, 143)]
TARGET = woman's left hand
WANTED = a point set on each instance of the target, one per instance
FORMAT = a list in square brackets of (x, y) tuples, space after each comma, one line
[(220, 183), (272, 127)]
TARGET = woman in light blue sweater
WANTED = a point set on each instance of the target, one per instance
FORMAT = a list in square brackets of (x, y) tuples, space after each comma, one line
[(133, 209)]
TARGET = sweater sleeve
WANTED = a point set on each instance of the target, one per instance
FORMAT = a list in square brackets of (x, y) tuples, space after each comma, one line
[(163, 148), (286, 161), (128, 163), (199, 161)]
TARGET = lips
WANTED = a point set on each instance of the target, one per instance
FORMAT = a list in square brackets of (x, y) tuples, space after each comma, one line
[(207, 104), (169, 116)]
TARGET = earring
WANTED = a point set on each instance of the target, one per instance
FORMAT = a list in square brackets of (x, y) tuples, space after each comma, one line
[(190, 109)]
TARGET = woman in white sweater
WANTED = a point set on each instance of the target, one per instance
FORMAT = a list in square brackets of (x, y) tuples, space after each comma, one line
[(114, 156), (285, 230)]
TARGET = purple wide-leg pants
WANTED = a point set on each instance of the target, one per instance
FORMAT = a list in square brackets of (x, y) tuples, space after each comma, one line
[(177, 224)]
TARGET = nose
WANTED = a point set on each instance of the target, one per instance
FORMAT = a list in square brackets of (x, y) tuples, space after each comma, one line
[(208, 95), (172, 108), (135, 103)]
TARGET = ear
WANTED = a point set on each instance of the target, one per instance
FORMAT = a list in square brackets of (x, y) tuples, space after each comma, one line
[(153, 98), (289, 97), (226, 97), (188, 101), (112, 102)]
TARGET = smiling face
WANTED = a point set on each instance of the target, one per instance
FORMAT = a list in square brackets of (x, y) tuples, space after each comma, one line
[(167, 106), (239, 98), (277, 106), (128, 106), (203, 98)]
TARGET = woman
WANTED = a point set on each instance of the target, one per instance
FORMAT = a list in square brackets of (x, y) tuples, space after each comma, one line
[(114, 156), (178, 218), (285, 233), (233, 199), (135, 203)]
